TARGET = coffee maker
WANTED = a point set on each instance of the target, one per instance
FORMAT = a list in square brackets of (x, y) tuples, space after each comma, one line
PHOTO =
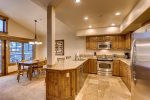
[(127, 55)]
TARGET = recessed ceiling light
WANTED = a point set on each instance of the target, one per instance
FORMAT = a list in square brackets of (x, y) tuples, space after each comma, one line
[(113, 24), (117, 13), (90, 26), (86, 18), (77, 1)]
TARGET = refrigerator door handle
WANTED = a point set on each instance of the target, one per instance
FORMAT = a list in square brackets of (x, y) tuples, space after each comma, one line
[(133, 51)]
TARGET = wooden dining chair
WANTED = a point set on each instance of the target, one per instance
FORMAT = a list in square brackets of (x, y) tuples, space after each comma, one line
[(40, 67), (21, 71)]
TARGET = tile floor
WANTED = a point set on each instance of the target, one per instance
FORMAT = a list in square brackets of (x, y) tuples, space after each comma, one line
[(95, 88)]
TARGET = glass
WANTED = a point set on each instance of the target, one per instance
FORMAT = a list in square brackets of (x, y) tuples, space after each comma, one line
[(28, 51), (1, 25), (15, 52)]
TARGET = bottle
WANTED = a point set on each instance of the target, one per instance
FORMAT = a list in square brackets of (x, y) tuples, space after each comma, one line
[(95, 54)]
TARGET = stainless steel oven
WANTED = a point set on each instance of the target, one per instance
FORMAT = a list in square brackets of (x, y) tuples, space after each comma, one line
[(104, 45), (104, 67)]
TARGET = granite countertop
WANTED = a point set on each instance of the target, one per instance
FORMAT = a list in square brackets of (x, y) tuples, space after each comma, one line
[(66, 65), (127, 61)]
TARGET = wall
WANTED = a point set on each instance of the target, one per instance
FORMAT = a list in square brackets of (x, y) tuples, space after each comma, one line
[(135, 13), (14, 29), (99, 31), (73, 43)]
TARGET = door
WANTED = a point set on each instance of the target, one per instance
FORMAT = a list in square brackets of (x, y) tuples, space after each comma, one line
[(141, 70)]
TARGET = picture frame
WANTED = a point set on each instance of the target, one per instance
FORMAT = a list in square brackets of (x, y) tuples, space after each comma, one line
[(59, 47)]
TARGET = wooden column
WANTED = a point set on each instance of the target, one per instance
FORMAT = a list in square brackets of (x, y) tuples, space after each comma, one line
[(50, 35)]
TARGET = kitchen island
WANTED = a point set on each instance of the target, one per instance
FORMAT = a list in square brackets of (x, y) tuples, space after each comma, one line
[(65, 79)]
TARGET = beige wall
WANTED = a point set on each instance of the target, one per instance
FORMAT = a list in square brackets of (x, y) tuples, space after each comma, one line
[(72, 42), (14, 29)]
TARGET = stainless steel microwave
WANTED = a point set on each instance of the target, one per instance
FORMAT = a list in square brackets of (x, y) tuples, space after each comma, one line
[(104, 45)]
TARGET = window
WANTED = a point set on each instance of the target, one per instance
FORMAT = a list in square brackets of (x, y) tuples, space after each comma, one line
[(28, 51), (3, 25), (20, 51)]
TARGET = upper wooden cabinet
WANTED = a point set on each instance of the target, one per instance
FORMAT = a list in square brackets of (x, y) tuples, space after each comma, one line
[(91, 43), (119, 42), (128, 41)]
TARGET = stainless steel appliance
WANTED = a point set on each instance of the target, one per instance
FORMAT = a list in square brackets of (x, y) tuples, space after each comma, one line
[(104, 45), (104, 66), (140, 66)]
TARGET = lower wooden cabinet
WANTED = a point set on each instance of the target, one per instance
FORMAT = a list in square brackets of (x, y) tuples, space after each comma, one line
[(60, 85), (122, 70), (92, 66), (116, 68)]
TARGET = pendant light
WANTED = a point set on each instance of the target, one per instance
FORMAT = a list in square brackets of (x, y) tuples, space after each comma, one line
[(35, 42)]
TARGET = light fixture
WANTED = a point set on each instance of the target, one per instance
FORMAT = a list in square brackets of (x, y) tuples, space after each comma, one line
[(117, 13), (86, 18), (35, 42), (113, 24), (90, 26), (77, 1)]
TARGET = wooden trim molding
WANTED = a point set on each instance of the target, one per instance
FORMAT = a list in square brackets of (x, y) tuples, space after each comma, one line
[(13, 38), (3, 17)]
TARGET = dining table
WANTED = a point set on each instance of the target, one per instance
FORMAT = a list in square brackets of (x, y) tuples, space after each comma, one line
[(31, 64)]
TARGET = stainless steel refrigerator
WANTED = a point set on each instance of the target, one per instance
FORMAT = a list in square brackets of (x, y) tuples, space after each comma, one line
[(140, 66)]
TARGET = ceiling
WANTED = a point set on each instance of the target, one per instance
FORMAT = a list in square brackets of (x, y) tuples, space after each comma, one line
[(101, 13)]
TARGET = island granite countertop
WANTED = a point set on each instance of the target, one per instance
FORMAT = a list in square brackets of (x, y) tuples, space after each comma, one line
[(67, 65)]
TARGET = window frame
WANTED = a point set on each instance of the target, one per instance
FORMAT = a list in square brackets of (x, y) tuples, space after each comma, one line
[(5, 24), (23, 56)]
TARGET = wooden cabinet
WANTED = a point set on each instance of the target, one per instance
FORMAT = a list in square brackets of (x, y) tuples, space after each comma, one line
[(123, 70), (119, 42), (60, 85), (91, 43), (125, 74), (116, 68), (86, 67), (79, 82), (92, 66), (128, 41)]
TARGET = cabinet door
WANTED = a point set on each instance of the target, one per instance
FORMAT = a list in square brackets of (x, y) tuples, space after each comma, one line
[(115, 42), (128, 41), (116, 67), (129, 78), (121, 69), (87, 43), (93, 43), (86, 67), (92, 66), (78, 80), (100, 38), (121, 42)]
